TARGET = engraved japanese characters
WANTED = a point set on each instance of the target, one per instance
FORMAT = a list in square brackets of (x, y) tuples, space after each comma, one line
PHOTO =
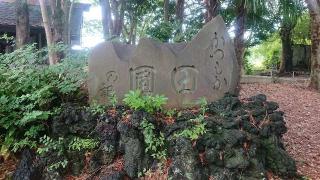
[(184, 72)]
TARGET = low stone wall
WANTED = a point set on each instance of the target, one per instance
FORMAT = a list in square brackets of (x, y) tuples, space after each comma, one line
[(242, 140), (249, 79)]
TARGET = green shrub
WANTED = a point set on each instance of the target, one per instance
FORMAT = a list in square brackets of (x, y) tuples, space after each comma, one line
[(137, 101), (31, 92), (265, 55), (61, 146), (78, 144), (154, 144), (199, 128)]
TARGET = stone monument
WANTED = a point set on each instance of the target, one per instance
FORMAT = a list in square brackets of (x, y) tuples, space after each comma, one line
[(184, 72)]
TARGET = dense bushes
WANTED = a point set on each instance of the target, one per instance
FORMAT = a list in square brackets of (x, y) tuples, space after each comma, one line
[(31, 92)]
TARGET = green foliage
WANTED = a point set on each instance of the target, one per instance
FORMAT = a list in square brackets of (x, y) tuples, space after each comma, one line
[(49, 144), (199, 128), (81, 144), (113, 99), (248, 67), (6, 38), (163, 31), (135, 100), (61, 146), (202, 102), (171, 112), (302, 31), (155, 145), (96, 108), (267, 54), (59, 164), (31, 93), (196, 131)]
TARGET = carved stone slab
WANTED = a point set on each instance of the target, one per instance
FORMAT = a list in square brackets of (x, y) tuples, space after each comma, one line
[(184, 72)]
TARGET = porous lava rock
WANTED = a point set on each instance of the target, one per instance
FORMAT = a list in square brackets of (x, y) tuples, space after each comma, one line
[(242, 140), (26, 169)]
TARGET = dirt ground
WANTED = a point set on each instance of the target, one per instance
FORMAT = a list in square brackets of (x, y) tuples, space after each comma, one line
[(302, 115)]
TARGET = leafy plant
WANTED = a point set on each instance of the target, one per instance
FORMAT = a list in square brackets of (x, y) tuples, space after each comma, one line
[(113, 99), (32, 92), (155, 145), (96, 108), (82, 144), (135, 100), (57, 165), (49, 144), (61, 146), (202, 102), (196, 131), (171, 112), (200, 125)]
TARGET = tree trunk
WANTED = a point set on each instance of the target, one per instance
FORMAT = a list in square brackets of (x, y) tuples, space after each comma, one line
[(239, 32), (68, 10), (106, 18), (117, 9), (212, 9), (133, 27), (60, 16), (57, 21), (179, 18), (166, 11), (180, 11), (314, 10), (52, 55), (287, 53), (22, 23), (239, 43)]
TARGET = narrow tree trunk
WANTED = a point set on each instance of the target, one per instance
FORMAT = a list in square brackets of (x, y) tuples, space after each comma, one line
[(314, 10), (239, 32), (106, 18), (60, 24), (239, 38), (117, 9), (180, 11), (179, 18), (57, 20), (132, 30), (52, 55), (68, 10), (121, 19), (166, 11), (212, 9), (287, 53), (22, 23)]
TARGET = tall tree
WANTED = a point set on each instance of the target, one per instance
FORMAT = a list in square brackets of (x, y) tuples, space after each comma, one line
[(241, 12), (53, 59), (58, 19), (179, 10), (22, 23), (166, 14), (106, 18), (289, 10), (57, 25), (117, 8), (179, 15), (212, 9), (314, 10), (112, 27)]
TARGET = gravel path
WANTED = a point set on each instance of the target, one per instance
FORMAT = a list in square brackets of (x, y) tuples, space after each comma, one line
[(302, 115)]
